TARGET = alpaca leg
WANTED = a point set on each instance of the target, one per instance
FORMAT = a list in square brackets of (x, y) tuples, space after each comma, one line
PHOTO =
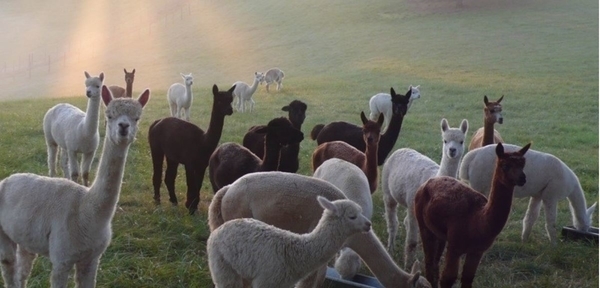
[(412, 234), (469, 269), (450, 272), (64, 162), (314, 279), (25, 261), (86, 165), (267, 86), (52, 153), (157, 162), (73, 165), (222, 274), (187, 114), (85, 273), (251, 105), (170, 175), (191, 181), (550, 211), (279, 85), (173, 107), (392, 220), (9, 260), (431, 248), (533, 211), (193, 196), (60, 274)]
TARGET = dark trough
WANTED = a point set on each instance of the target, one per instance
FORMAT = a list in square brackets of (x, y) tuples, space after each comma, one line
[(569, 232), (334, 280)]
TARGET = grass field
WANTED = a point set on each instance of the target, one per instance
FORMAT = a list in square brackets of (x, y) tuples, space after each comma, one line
[(542, 55)]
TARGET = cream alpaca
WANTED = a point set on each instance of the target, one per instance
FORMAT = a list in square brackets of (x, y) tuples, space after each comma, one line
[(180, 97), (243, 92)]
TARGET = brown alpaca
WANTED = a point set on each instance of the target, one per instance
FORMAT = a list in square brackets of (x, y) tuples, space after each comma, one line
[(486, 135), (182, 142), (231, 160), (120, 92), (449, 211), (365, 161)]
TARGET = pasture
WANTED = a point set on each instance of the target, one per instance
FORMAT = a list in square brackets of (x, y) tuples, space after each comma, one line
[(541, 55)]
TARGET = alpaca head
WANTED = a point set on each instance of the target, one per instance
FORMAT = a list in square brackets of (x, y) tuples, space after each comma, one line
[(122, 116), (259, 77), (493, 110), (296, 112), (371, 129), (414, 92), (222, 100), (188, 80), (454, 138), (400, 102), (348, 213), (129, 76), (511, 164), (416, 280), (93, 85), (282, 131)]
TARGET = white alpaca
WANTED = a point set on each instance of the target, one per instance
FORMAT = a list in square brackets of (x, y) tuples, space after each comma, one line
[(243, 92), (180, 97), (548, 180), (288, 201), (61, 219), (274, 75), (73, 132), (352, 181), (251, 250), (405, 170), (382, 103)]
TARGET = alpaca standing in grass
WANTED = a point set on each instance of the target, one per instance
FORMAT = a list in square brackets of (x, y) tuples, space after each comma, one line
[(486, 135), (62, 220), (405, 171), (548, 180), (120, 92), (288, 201), (243, 92), (250, 250), (274, 75), (448, 211), (381, 103), (73, 132), (180, 97)]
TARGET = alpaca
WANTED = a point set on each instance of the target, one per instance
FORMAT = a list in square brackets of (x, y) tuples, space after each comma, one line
[(548, 180), (118, 91), (274, 75), (288, 201), (243, 92), (250, 250), (486, 135), (73, 132), (62, 220), (355, 186), (381, 103), (352, 134), (449, 211), (405, 171), (289, 154), (231, 161), (182, 142), (180, 97), (366, 161)]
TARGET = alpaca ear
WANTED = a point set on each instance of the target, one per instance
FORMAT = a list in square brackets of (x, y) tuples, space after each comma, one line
[(125, 70), (392, 92), (416, 268), (106, 95), (380, 120), (444, 124), (133, 71), (101, 76), (215, 89), (590, 211), (326, 204), (485, 99), (464, 126), (285, 108), (182, 75), (144, 97), (231, 89), (363, 117), (499, 150), (87, 75), (524, 149), (500, 99), (414, 279), (262, 130)]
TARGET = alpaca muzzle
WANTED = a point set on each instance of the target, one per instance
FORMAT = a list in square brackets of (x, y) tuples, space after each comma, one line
[(522, 180)]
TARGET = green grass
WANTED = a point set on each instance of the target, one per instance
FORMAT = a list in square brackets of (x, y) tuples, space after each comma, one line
[(542, 55)]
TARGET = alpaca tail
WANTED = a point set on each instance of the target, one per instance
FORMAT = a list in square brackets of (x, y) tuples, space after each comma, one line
[(315, 131), (215, 218)]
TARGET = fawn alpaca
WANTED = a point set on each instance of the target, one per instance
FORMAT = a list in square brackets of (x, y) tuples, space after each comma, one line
[(120, 92), (486, 135), (449, 211), (63, 220)]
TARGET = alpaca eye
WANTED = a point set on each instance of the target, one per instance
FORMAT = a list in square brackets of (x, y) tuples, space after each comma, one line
[(445, 142), (352, 217), (136, 119), (461, 142)]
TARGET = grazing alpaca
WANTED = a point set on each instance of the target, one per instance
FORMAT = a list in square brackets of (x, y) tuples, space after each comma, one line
[(492, 113), (62, 220), (449, 211), (355, 186), (288, 201), (73, 132), (366, 161), (548, 180), (231, 160), (274, 75), (180, 97), (289, 154), (404, 171), (120, 92), (381, 103), (250, 250), (181, 142), (243, 92), (352, 134)]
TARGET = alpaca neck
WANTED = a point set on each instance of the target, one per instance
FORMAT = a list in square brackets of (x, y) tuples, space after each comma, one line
[(448, 166), (370, 165), (91, 115), (272, 154), (488, 132), (215, 129), (499, 202), (188, 92), (322, 243), (579, 208), (254, 86), (99, 204), (388, 139), (129, 89)]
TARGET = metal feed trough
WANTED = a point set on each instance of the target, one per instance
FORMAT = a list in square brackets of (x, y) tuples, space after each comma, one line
[(334, 280), (570, 232)]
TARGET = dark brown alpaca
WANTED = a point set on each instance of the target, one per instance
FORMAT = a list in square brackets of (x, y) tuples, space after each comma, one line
[(289, 154), (118, 91), (486, 135), (231, 161), (182, 142), (449, 211), (367, 161), (352, 134)]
